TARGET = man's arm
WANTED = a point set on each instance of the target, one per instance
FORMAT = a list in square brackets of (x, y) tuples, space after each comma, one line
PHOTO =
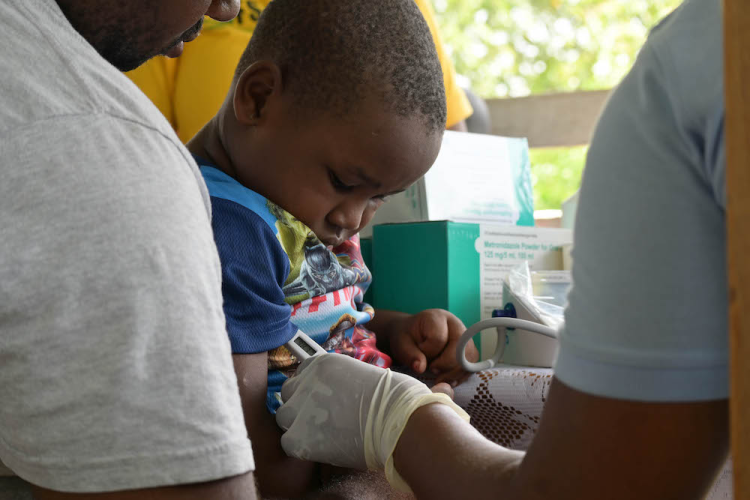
[(587, 447), (123, 297), (278, 474), (234, 488)]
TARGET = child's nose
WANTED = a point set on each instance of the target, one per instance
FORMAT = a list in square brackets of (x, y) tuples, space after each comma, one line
[(350, 216)]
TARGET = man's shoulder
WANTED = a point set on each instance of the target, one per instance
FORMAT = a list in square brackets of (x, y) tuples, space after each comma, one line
[(685, 57), (62, 104), (687, 46), (51, 72)]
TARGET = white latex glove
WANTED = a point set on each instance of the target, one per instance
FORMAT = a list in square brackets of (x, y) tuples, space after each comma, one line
[(344, 412)]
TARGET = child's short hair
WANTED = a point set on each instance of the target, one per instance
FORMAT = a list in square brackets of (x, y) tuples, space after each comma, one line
[(334, 53)]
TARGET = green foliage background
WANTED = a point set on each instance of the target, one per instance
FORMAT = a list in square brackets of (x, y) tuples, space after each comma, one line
[(513, 48)]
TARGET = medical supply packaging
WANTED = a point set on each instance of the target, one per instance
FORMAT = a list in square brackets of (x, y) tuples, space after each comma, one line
[(475, 178), (457, 266), (539, 296)]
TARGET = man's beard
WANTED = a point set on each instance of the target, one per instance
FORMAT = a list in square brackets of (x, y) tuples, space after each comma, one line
[(126, 49)]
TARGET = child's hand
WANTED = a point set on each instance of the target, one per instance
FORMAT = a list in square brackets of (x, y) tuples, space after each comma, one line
[(427, 340)]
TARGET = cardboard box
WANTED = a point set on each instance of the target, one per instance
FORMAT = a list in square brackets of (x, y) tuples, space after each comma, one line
[(569, 209), (475, 178), (456, 266)]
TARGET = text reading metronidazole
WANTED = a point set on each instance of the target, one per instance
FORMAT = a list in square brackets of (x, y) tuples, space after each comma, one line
[(501, 251)]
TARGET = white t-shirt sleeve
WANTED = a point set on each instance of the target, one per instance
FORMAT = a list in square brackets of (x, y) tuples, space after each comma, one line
[(647, 314), (116, 370)]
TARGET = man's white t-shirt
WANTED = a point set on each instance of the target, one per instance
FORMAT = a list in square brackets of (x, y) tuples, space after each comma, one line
[(115, 367), (647, 314)]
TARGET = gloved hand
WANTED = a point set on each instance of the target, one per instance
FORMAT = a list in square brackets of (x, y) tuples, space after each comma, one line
[(344, 412)]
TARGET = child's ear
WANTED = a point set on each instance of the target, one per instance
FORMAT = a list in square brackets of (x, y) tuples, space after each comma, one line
[(258, 84)]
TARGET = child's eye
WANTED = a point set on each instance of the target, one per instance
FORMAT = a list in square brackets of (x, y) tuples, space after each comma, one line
[(383, 197), (337, 183)]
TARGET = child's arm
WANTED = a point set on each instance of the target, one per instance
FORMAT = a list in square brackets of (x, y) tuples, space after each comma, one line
[(426, 340), (254, 268), (277, 474)]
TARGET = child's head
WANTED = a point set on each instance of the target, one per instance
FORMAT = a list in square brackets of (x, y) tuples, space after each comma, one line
[(335, 105)]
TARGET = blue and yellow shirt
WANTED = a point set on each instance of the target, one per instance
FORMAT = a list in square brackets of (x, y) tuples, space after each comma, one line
[(278, 277)]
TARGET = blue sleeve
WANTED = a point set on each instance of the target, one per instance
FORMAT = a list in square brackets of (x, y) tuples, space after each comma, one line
[(254, 268)]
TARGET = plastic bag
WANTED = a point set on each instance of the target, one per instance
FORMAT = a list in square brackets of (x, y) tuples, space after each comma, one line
[(543, 293)]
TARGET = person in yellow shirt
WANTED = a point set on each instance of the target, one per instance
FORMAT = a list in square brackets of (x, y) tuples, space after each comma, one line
[(189, 90)]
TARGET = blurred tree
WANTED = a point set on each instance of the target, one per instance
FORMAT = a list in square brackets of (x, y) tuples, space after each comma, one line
[(513, 48)]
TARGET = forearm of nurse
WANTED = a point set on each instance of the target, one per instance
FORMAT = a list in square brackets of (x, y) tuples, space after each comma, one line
[(460, 464), (587, 447)]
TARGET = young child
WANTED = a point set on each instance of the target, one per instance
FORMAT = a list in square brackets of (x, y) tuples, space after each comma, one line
[(335, 106)]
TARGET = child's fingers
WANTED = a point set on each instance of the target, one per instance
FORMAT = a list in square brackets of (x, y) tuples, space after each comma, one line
[(447, 358), (446, 361), (407, 352), (419, 362), (431, 335), (471, 352), (453, 377), (444, 388)]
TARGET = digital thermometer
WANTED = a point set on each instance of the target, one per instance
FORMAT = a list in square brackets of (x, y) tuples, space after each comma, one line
[(303, 346)]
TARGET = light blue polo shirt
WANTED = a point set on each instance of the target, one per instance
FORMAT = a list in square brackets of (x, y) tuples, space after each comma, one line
[(647, 316)]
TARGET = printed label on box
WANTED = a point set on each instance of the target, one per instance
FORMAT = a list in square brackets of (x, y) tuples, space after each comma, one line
[(475, 178), (500, 250)]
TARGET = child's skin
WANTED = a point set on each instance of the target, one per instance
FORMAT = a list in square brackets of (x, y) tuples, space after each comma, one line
[(332, 173)]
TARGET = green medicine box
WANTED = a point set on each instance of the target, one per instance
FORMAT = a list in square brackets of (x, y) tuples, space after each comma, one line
[(426, 265), (456, 266)]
